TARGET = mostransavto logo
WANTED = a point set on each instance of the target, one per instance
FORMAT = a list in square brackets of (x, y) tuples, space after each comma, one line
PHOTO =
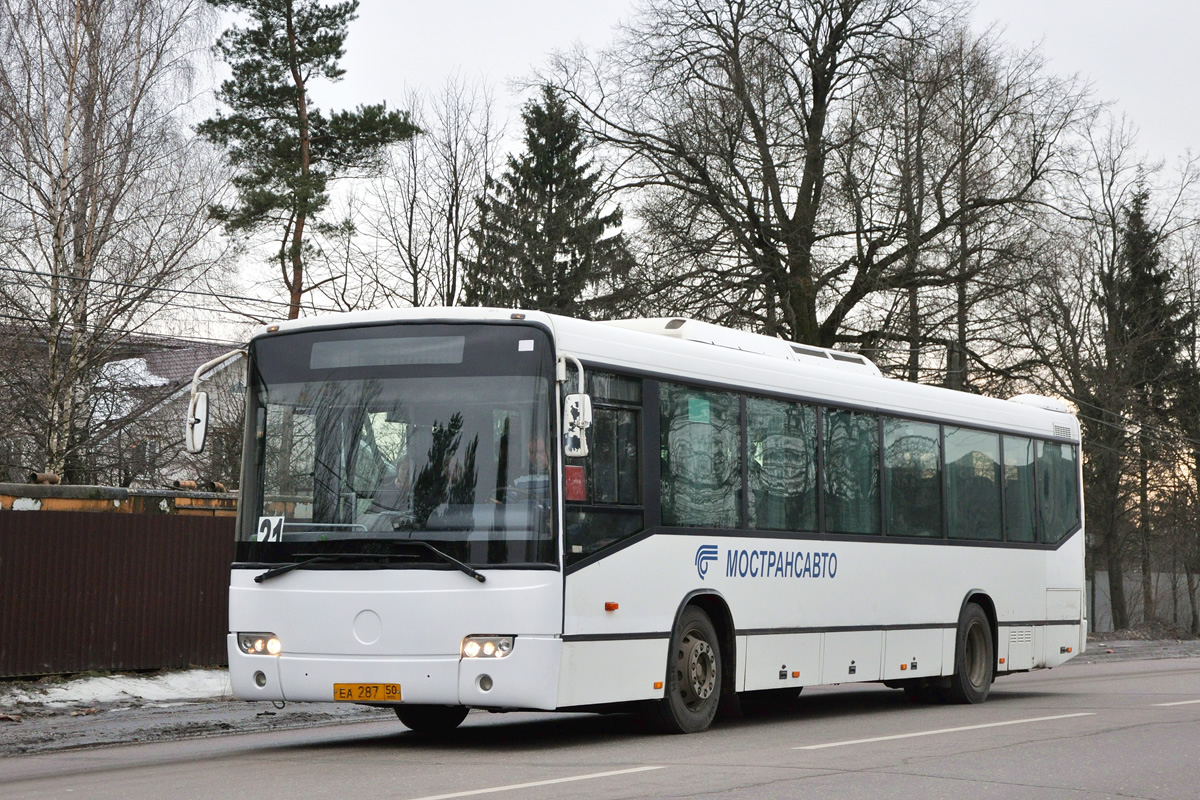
[(705, 554)]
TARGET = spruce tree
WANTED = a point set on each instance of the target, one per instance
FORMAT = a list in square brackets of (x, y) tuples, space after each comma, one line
[(540, 242), (284, 148), (1150, 326), (1149, 323)]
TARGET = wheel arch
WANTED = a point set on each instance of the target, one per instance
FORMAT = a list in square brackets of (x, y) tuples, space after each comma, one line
[(982, 599), (714, 605)]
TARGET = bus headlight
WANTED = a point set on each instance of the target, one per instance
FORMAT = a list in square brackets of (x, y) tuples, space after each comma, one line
[(487, 646), (259, 644)]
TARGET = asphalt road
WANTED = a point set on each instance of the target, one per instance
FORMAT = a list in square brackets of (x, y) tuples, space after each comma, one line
[(1119, 728)]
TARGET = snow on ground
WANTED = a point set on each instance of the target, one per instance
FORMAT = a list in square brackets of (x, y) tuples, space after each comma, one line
[(170, 687)]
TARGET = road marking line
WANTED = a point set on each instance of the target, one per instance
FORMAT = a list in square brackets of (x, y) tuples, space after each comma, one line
[(943, 730), (538, 783), (1180, 703)]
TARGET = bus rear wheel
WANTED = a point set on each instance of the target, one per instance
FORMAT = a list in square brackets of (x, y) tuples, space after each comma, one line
[(974, 658), (693, 685), (431, 719)]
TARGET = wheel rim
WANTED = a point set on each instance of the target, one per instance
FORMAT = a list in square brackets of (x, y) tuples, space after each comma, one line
[(975, 656), (696, 669)]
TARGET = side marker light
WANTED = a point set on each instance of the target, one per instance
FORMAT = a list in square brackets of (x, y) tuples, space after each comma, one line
[(611, 606), (658, 684)]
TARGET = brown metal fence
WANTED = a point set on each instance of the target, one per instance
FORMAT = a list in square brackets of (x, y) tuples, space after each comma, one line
[(83, 590)]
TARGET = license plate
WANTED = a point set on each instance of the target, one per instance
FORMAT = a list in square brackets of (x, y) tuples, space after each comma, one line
[(367, 692)]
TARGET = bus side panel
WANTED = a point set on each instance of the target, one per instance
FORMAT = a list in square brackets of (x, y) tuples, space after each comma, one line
[(913, 654), (852, 656), (864, 599), (1062, 641), (611, 671), (625, 606), (1016, 648), (775, 658), (635, 591)]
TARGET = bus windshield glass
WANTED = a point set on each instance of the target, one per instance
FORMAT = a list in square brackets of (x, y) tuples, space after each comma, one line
[(366, 440)]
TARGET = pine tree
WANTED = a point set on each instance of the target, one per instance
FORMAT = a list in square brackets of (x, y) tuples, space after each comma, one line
[(1149, 323), (1150, 327), (541, 242), (285, 149)]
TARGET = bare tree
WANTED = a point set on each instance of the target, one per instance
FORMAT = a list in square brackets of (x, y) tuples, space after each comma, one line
[(105, 193), (1082, 316), (421, 209), (746, 123), (1186, 468), (948, 120)]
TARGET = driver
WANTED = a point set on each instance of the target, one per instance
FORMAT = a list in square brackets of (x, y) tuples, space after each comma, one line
[(539, 459), (397, 495), (537, 480)]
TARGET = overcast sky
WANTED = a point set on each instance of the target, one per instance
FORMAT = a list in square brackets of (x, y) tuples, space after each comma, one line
[(1144, 56)]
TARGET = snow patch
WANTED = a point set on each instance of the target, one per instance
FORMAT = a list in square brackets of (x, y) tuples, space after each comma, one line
[(195, 684), (27, 504), (131, 372)]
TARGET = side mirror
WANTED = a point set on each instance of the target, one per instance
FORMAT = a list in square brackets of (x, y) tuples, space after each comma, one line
[(197, 419), (577, 418), (197, 423)]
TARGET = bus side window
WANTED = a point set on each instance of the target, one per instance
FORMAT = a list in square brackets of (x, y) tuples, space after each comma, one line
[(851, 472), (912, 478), (972, 484), (782, 474), (1058, 497), (603, 490), (701, 457), (1018, 490)]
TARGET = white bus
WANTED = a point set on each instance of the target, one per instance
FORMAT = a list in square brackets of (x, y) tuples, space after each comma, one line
[(447, 509)]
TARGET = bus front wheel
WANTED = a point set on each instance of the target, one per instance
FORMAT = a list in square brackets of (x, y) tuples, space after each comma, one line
[(431, 719), (693, 684), (974, 658)]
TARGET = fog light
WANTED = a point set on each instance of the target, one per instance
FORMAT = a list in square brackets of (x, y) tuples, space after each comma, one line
[(260, 679), (487, 646), (485, 683), (259, 644)]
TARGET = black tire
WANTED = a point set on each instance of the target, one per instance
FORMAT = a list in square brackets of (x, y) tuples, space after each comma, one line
[(694, 674), (431, 719), (974, 658)]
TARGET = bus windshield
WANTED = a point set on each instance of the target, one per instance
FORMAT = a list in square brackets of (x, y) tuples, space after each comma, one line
[(366, 440)]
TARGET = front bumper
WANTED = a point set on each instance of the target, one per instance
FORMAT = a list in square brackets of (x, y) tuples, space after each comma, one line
[(525, 678)]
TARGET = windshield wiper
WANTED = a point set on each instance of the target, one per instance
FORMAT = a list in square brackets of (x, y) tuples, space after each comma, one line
[(309, 559), (449, 559)]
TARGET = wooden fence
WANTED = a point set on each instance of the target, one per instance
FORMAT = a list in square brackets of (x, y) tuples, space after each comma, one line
[(143, 584)]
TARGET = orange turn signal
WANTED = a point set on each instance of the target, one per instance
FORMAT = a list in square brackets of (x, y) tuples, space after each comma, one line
[(611, 606), (658, 684)]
